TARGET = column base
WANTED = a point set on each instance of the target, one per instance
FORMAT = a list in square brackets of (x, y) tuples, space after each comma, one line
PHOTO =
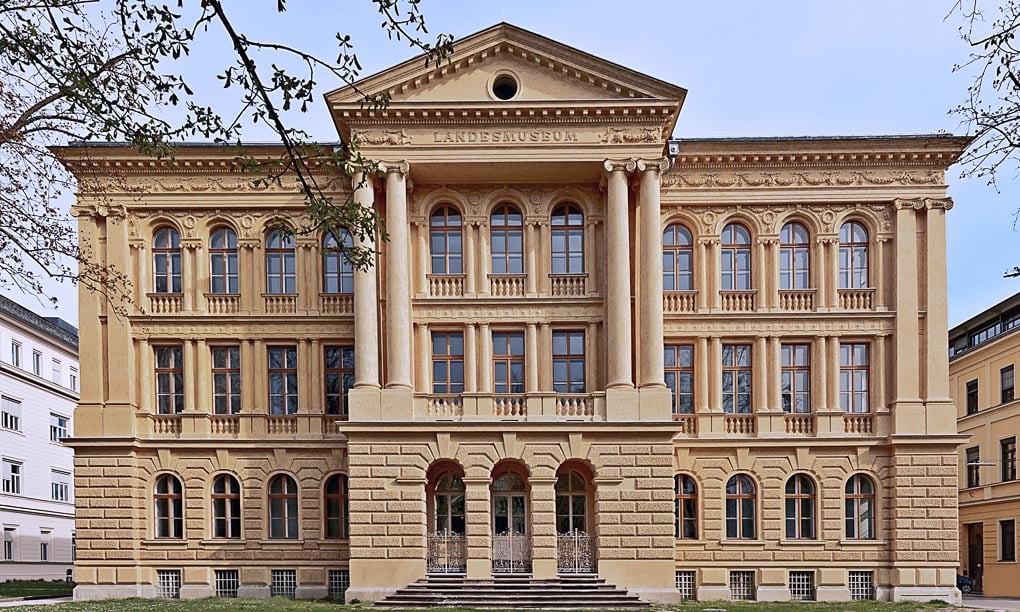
[(713, 593), (949, 595), (91, 592)]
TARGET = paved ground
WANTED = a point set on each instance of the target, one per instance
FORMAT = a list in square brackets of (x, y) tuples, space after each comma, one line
[(35, 602), (991, 603)]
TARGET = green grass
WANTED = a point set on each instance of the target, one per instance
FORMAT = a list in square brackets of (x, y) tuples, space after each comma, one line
[(28, 588)]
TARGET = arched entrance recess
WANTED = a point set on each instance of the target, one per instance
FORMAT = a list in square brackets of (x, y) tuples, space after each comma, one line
[(447, 544), (511, 533), (575, 495)]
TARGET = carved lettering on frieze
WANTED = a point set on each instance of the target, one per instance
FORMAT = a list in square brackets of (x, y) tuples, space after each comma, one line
[(502, 136)]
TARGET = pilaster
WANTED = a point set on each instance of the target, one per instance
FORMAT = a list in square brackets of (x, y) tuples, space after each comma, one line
[(940, 413), (478, 509), (908, 410)]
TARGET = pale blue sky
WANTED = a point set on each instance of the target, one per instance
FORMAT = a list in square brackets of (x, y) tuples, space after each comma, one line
[(797, 67)]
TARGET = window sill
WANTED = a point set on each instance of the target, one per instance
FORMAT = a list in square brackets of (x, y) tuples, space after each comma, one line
[(863, 543), (282, 541), (805, 543), (168, 542), (222, 541), (749, 543)]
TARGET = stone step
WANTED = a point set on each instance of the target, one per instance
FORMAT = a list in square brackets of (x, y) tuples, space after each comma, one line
[(513, 591)]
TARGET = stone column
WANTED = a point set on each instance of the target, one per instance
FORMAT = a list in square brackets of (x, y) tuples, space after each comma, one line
[(591, 338), (146, 387), (531, 248), (831, 246), (590, 263), (619, 370), (702, 386), (774, 255), (545, 357), (651, 350), (471, 357), (366, 314), (758, 280), (189, 376), (203, 374), (531, 356), (398, 299), (422, 231), (715, 368), (477, 511), (469, 258), (775, 376), (543, 527), (484, 258), (819, 376), (484, 345), (247, 377), (877, 375), (188, 275), (424, 383), (759, 397), (703, 265), (878, 275), (821, 276), (909, 412), (714, 270), (832, 383)]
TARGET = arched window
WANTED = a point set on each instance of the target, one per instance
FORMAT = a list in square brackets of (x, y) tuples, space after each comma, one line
[(800, 508), (860, 508), (736, 258), (794, 257), (506, 233), (571, 502), (740, 507), (853, 256), (567, 240), (166, 260), (336, 507), (449, 504), (280, 264), (445, 233), (677, 259), (337, 272), (283, 507), (223, 261), (226, 503), (509, 511), (686, 507), (169, 504)]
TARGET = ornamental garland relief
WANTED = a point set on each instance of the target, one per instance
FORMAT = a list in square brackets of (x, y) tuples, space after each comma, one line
[(689, 179), (381, 137), (769, 217)]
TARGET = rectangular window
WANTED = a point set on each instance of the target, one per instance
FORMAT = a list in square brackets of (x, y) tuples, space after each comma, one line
[(679, 374), (55, 373), (796, 377), (862, 585), (685, 583), (73, 379), (1007, 455), (853, 378), (60, 486), (9, 543), (339, 582), (284, 583), (74, 546), (973, 469), (448, 363), (1006, 382), (168, 584), (10, 414), (227, 582), (742, 586), (1007, 540), (226, 371), (802, 586), (283, 380), (44, 545), (736, 378), (37, 363), (58, 427), (508, 362), (339, 366), (972, 396), (11, 474), (568, 362), (15, 353), (169, 379)]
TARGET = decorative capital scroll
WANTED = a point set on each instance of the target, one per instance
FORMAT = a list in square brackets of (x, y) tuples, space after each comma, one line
[(113, 211), (935, 203), (249, 243), (659, 165), (401, 167), (827, 238), (306, 243), (709, 240), (768, 239), (909, 203), (625, 165), (193, 244)]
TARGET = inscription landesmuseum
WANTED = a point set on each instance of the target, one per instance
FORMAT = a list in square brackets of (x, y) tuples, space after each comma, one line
[(504, 136)]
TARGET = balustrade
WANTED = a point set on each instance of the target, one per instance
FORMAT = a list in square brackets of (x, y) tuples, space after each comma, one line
[(336, 303), (165, 303), (737, 301), (445, 406), (569, 285), (222, 303), (163, 425), (856, 299), (797, 300), (447, 553), (679, 301), (859, 423), (510, 406), (224, 425), (574, 553), (507, 285), (280, 303), (686, 423), (800, 424), (281, 425), (446, 285), (739, 424), (575, 405)]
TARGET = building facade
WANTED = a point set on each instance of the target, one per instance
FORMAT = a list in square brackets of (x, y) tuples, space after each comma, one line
[(697, 368), (983, 353), (38, 393)]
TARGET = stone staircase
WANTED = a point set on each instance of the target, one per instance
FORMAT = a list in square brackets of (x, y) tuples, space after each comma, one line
[(513, 591)]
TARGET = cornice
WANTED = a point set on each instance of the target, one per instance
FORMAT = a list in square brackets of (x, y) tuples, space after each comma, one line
[(767, 176), (832, 159)]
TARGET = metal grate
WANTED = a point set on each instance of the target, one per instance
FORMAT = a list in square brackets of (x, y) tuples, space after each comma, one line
[(802, 586), (339, 581), (685, 584), (742, 586), (284, 583), (862, 586), (168, 584), (227, 582)]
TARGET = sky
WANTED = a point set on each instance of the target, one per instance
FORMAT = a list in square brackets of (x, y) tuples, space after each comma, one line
[(751, 68)]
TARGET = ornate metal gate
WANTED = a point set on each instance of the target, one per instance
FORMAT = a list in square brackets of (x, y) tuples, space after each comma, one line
[(511, 553), (574, 553), (447, 553)]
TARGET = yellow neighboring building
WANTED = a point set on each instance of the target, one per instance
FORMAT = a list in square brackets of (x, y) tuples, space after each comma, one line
[(709, 368), (983, 354)]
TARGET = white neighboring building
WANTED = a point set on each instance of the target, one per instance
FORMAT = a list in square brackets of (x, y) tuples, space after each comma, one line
[(38, 394)]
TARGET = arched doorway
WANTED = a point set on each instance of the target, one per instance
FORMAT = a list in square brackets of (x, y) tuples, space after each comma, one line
[(447, 543), (511, 538), (574, 533)]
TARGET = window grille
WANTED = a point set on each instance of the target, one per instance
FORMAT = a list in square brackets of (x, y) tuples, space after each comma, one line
[(862, 586), (339, 581), (284, 583), (168, 584), (742, 586), (685, 584), (802, 586), (227, 582)]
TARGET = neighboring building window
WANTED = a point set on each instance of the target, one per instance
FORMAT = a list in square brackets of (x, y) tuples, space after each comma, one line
[(508, 362), (740, 508), (73, 380), (37, 363), (445, 235), (736, 378), (339, 582), (796, 377), (1007, 454), (447, 363), (862, 585), (567, 240), (227, 583), (677, 259), (800, 508), (506, 235), (168, 584), (281, 275), (74, 546), (10, 472), (973, 455), (283, 508), (336, 507), (283, 380), (16, 354), (1006, 383), (853, 378), (685, 507), (45, 537), (58, 427), (972, 396), (339, 371), (223, 261), (60, 486), (679, 375), (736, 258), (853, 256), (337, 271), (742, 585), (55, 372), (166, 260), (169, 502), (9, 543), (449, 504), (1007, 540), (226, 504), (860, 508), (10, 414), (169, 379), (568, 362), (794, 257), (226, 372), (283, 583)]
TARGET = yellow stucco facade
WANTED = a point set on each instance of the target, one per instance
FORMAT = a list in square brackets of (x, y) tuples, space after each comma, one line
[(584, 347)]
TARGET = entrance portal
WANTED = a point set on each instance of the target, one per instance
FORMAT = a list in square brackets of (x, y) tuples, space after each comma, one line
[(447, 552), (573, 538), (511, 541)]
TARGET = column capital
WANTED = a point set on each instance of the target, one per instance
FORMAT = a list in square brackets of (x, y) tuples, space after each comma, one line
[(390, 167), (660, 165), (191, 244), (909, 203), (709, 240), (936, 203), (625, 165), (249, 243)]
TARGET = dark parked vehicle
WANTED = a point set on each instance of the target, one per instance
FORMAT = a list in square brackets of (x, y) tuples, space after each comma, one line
[(965, 584)]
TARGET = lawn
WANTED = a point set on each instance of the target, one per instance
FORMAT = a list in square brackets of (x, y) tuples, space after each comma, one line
[(29, 588)]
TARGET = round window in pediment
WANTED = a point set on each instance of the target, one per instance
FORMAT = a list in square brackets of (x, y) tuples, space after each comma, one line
[(504, 86)]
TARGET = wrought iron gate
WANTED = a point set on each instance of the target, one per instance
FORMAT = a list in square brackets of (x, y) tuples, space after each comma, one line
[(511, 553), (574, 553), (447, 553)]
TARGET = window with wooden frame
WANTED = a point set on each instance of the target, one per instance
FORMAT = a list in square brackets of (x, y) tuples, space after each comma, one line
[(337, 271), (506, 237), (567, 227), (679, 376), (853, 256), (226, 506), (736, 378), (335, 498), (568, 362), (168, 500), (685, 507), (677, 258), (735, 253), (283, 508), (169, 379), (800, 508), (447, 363), (166, 260), (796, 377), (226, 371), (281, 263), (853, 378), (283, 380), (223, 267), (338, 366), (446, 240), (741, 502), (860, 508), (794, 257), (508, 362)]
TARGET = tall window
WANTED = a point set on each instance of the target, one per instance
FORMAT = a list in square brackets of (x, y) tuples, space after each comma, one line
[(506, 232), (445, 236), (685, 507), (169, 379), (283, 508), (972, 396), (337, 271), (796, 375), (226, 371), (800, 508), (283, 380), (853, 378), (736, 378), (281, 275), (568, 362), (1006, 383), (336, 506), (223, 261), (37, 363), (853, 256), (166, 260), (10, 414), (60, 486), (736, 258), (508, 362), (226, 503), (169, 503), (567, 240), (45, 537), (679, 374), (16, 355), (447, 363), (677, 259), (339, 366), (1007, 455), (9, 536), (449, 504), (794, 257), (571, 502), (55, 371), (73, 379), (972, 459), (10, 471), (860, 508), (740, 508), (58, 427), (1007, 540)]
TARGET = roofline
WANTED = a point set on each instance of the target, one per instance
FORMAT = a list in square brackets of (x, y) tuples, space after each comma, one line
[(40, 324), (1006, 304), (806, 138)]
